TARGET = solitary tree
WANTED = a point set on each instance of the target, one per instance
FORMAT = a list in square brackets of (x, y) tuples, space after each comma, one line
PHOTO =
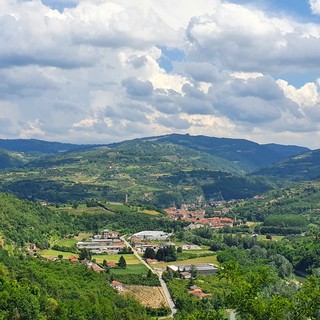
[(122, 262)]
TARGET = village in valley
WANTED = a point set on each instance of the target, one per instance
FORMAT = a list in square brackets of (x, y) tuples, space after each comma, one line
[(138, 263)]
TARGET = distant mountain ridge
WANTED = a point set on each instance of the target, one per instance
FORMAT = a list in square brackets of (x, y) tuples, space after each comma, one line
[(41, 146), (163, 171), (249, 155)]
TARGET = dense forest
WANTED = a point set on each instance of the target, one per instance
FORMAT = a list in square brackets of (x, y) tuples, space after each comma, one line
[(36, 289)]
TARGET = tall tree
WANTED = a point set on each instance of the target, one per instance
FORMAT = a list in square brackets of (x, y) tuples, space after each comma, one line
[(122, 262)]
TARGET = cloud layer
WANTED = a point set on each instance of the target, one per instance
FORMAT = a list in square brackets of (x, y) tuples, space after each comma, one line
[(102, 71)]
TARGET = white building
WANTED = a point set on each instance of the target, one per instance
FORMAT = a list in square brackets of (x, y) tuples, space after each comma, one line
[(150, 235)]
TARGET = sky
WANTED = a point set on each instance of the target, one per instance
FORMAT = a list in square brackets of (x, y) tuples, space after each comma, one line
[(98, 71)]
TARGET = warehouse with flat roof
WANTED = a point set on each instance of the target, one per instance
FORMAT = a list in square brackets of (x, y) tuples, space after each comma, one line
[(203, 268), (151, 235)]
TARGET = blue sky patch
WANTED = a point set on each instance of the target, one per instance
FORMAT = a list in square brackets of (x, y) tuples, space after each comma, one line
[(168, 56), (299, 9)]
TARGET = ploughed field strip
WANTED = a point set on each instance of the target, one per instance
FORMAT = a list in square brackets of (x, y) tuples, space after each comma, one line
[(152, 297)]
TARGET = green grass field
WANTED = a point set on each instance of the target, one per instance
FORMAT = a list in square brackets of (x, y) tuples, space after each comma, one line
[(55, 253), (69, 242), (130, 258), (208, 259), (131, 269), (274, 238)]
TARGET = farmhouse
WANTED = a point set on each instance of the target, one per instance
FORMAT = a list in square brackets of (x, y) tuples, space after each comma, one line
[(186, 275), (199, 293), (152, 261), (117, 285), (73, 259), (93, 266)]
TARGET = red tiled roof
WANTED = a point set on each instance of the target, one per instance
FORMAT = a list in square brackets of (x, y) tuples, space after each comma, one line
[(152, 260), (73, 259), (199, 294), (96, 268), (115, 283)]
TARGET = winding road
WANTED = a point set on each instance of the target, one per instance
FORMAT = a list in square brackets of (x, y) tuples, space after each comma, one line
[(159, 274)]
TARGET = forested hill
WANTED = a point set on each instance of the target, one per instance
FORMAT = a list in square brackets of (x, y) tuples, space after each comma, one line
[(299, 168), (24, 221), (10, 159), (161, 171), (247, 154), (36, 289), (39, 146), (161, 174)]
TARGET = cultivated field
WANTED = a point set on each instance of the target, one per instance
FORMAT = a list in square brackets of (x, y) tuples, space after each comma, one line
[(208, 259), (152, 297), (151, 212)]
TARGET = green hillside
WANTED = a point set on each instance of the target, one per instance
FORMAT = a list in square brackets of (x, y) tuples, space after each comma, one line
[(302, 167), (23, 221), (162, 171), (246, 154), (38, 146), (10, 159), (300, 199), (31, 288), (161, 174)]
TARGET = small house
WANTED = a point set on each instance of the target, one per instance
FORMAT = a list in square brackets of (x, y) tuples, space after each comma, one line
[(117, 285)]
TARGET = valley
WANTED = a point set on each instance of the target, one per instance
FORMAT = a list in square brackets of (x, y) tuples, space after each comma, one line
[(105, 230)]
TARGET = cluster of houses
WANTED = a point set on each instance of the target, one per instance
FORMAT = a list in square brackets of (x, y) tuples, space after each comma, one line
[(91, 265), (198, 217), (106, 242)]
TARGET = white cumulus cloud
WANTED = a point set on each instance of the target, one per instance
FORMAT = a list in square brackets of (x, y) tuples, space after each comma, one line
[(95, 70), (315, 6)]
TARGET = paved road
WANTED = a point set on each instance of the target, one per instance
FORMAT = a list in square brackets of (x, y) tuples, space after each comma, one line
[(159, 274)]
